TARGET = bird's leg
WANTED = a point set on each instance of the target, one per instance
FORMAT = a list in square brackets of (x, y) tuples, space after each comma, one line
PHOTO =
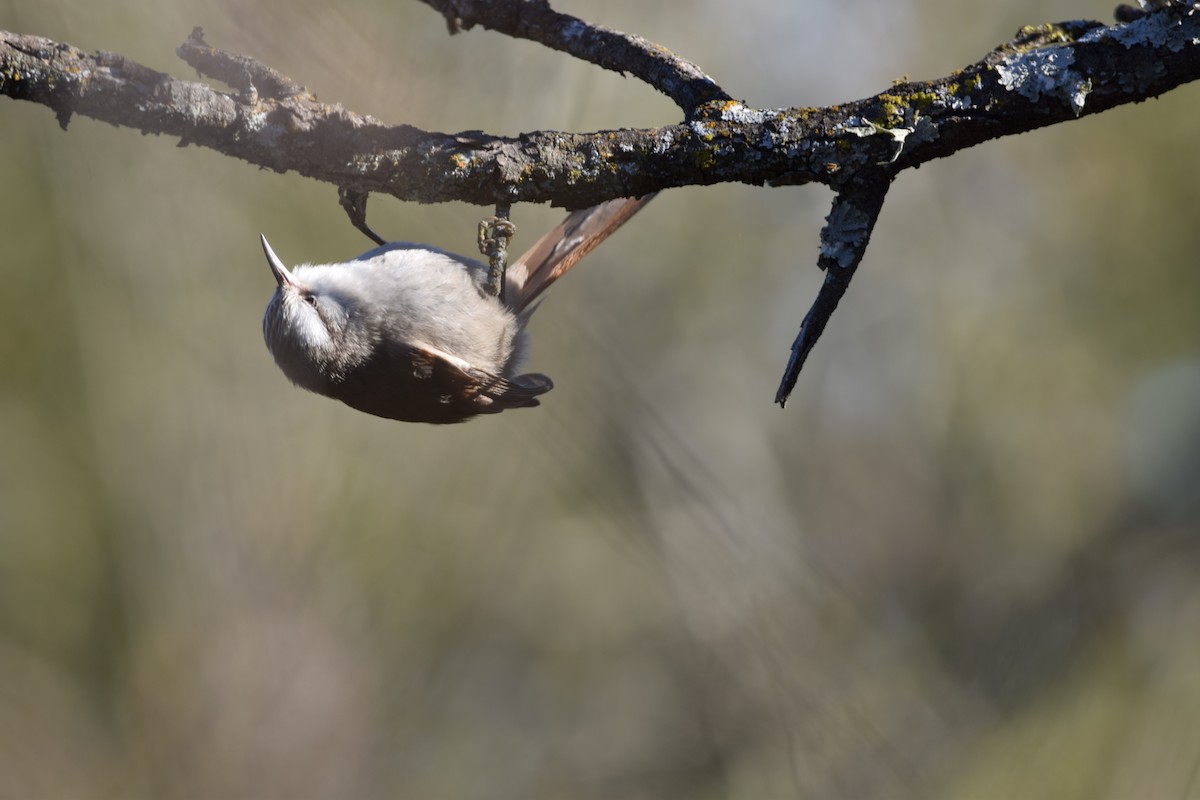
[(354, 202), (494, 235)]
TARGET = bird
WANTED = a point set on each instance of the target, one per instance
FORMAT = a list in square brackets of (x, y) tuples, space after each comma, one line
[(414, 333)]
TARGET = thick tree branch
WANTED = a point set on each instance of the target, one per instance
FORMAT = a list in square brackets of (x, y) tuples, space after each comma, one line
[(1046, 75), (1055, 74)]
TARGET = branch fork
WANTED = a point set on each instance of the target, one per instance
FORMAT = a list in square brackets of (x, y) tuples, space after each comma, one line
[(1045, 75)]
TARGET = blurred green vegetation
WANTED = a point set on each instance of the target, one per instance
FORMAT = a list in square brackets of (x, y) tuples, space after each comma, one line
[(963, 563)]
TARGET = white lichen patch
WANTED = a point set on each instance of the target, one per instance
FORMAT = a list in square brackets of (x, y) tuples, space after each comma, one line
[(921, 130), (846, 231), (256, 120), (736, 112), (857, 126), (701, 128), (1155, 30), (1046, 71)]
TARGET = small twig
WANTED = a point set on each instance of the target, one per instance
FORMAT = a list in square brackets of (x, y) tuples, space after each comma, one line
[(248, 75), (844, 241), (677, 78)]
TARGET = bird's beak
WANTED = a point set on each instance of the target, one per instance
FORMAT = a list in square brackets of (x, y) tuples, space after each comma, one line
[(282, 276)]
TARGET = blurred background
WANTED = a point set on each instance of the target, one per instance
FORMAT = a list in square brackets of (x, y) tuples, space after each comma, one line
[(963, 563)]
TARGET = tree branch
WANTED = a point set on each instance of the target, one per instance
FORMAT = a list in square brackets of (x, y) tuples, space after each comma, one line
[(1046, 75), (844, 241), (1052, 74), (678, 79)]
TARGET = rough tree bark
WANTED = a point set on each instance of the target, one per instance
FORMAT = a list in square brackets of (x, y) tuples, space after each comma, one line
[(1046, 75)]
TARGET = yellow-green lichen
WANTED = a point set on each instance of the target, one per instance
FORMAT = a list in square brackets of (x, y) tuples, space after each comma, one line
[(1033, 37), (900, 109), (922, 100), (1049, 33), (964, 88)]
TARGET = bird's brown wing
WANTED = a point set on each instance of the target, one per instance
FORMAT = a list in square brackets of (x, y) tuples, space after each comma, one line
[(436, 386)]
